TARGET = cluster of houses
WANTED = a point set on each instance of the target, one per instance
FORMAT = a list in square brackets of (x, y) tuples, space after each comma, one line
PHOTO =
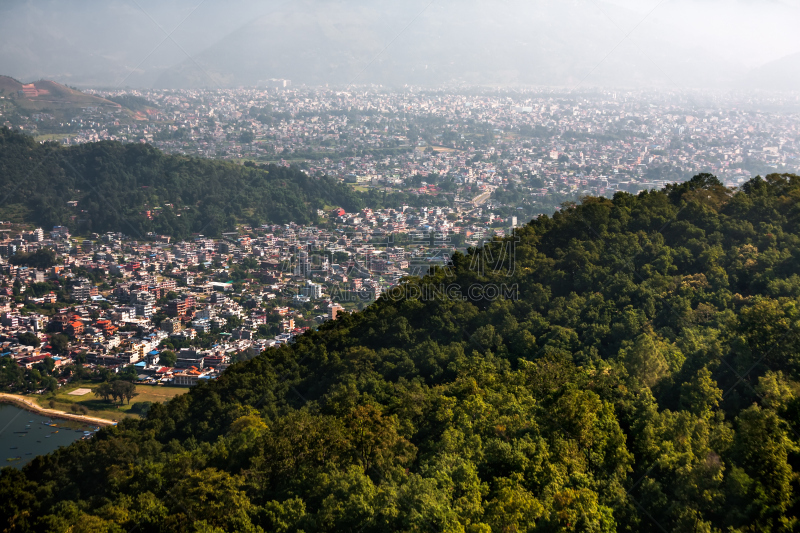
[(120, 301)]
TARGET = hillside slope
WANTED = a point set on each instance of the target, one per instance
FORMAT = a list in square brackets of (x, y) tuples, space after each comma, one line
[(115, 186), (46, 93), (644, 378)]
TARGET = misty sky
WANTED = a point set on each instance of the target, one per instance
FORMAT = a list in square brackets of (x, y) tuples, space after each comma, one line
[(568, 43)]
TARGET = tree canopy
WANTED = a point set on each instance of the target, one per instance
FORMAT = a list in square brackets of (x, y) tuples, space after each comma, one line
[(640, 374), (43, 258), (135, 189)]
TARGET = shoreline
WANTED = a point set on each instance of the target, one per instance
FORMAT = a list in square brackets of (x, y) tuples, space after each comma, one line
[(29, 405)]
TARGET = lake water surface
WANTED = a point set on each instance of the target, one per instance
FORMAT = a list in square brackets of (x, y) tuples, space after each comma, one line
[(24, 435)]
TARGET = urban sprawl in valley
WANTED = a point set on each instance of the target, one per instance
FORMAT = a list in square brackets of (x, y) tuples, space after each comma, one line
[(490, 161)]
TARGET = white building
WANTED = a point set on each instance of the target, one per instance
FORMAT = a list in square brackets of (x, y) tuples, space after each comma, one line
[(313, 290)]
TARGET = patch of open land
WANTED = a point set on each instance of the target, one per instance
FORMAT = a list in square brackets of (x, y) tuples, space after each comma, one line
[(70, 396)]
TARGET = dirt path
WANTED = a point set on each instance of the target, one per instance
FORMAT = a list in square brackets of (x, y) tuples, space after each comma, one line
[(52, 413)]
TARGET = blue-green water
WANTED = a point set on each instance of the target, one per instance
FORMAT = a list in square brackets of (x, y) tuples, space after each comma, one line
[(24, 435)]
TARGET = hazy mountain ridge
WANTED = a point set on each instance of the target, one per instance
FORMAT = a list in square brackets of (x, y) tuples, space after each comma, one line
[(782, 74), (317, 44), (555, 43)]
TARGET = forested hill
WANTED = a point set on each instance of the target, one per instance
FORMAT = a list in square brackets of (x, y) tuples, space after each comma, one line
[(645, 378), (116, 184)]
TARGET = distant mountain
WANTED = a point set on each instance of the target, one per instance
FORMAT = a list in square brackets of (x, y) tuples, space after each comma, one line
[(551, 43), (620, 43), (780, 75), (46, 93)]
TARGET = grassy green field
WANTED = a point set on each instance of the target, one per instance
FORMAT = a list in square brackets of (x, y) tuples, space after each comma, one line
[(53, 136), (106, 409)]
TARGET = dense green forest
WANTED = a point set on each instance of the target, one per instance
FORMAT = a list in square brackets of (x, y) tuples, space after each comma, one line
[(644, 378), (116, 184)]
